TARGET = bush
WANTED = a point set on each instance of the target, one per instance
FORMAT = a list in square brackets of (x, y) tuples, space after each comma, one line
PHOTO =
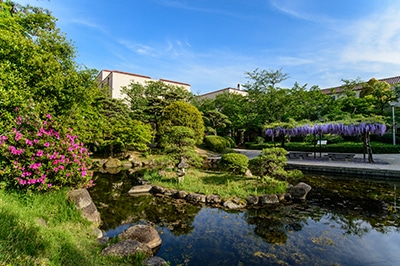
[(234, 162), (38, 155), (271, 163), (216, 143), (183, 114), (231, 141)]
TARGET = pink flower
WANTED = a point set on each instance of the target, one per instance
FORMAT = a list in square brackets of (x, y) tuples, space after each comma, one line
[(46, 144), (35, 165), (18, 136), (39, 153), (49, 116), (28, 142)]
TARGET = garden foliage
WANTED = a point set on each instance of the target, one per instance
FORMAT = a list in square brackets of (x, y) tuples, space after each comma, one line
[(37, 154), (271, 163), (216, 143), (235, 162)]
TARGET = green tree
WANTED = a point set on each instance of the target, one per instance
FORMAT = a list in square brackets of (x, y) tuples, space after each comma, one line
[(147, 102), (380, 94), (183, 114), (38, 71)]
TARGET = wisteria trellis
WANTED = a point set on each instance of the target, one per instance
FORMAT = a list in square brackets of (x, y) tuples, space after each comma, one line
[(329, 128)]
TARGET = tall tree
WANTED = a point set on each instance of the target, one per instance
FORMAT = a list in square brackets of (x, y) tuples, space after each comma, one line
[(148, 102)]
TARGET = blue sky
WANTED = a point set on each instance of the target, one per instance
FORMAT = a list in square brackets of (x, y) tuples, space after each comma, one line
[(210, 44)]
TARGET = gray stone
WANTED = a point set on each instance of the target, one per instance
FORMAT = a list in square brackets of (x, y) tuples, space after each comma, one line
[(235, 203), (181, 194), (140, 189), (127, 247), (213, 199), (268, 199), (154, 261), (300, 191), (142, 233), (84, 202), (252, 200), (196, 198), (158, 190)]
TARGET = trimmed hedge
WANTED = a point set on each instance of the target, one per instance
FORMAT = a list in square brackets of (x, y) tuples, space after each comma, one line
[(216, 143), (234, 162)]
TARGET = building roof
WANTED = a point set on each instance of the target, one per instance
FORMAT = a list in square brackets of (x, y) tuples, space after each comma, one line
[(228, 89), (391, 81), (146, 77)]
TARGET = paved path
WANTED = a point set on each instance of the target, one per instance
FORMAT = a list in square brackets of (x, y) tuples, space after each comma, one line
[(386, 165)]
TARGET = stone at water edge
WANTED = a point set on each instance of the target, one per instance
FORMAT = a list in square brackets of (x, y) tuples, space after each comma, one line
[(112, 163), (84, 202), (142, 233), (127, 247), (140, 189), (154, 261), (300, 191)]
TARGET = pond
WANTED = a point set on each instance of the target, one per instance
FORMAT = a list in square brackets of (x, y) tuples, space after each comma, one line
[(343, 222)]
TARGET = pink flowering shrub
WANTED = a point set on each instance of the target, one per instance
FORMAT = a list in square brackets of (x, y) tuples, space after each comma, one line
[(36, 155)]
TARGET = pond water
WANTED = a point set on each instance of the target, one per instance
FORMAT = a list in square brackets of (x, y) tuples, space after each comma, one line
[(343, 222)]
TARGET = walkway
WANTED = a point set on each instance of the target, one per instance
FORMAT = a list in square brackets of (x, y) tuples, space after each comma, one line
[(386, 166)]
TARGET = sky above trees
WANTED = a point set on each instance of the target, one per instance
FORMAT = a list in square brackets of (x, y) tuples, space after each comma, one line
[(211, 44)]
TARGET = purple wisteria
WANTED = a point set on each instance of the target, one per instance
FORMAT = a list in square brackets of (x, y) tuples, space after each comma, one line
[(329, 128)]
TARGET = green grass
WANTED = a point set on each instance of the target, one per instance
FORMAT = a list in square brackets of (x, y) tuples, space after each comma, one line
[(65, 238), (225, 185)]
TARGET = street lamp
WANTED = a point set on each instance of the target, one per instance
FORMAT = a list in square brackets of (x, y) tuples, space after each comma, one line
[(393, 104)]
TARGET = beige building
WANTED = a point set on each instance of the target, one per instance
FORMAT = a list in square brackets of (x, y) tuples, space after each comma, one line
[(335, 91), (213, 94), (114, 80)]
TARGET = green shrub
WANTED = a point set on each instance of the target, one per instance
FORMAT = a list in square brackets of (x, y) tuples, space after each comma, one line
[(234, 162), (216, 143), (232, 142)]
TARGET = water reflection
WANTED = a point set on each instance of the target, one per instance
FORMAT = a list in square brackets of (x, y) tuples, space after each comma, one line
[(343, 222)]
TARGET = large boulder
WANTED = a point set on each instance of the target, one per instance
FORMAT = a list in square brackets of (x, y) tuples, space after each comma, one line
[(299, 191), (127, 247), (84, 202), (112, 163), (142, 233)]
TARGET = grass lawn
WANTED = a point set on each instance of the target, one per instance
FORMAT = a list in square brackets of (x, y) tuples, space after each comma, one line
[(226, 185), (46, 229)]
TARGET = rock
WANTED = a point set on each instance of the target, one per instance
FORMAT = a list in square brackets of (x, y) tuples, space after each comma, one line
[(235, 203), (140, 189), (154, 261), (213, 199), (127, 164), (300, 191), (170, 192), (84, 202), (252, 200), (268, 199), (196, 198), (158, 190), (142, 233), (113, 170), (127, 247), (112, 163), (181, 194), (248, 173), (98, 233)]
